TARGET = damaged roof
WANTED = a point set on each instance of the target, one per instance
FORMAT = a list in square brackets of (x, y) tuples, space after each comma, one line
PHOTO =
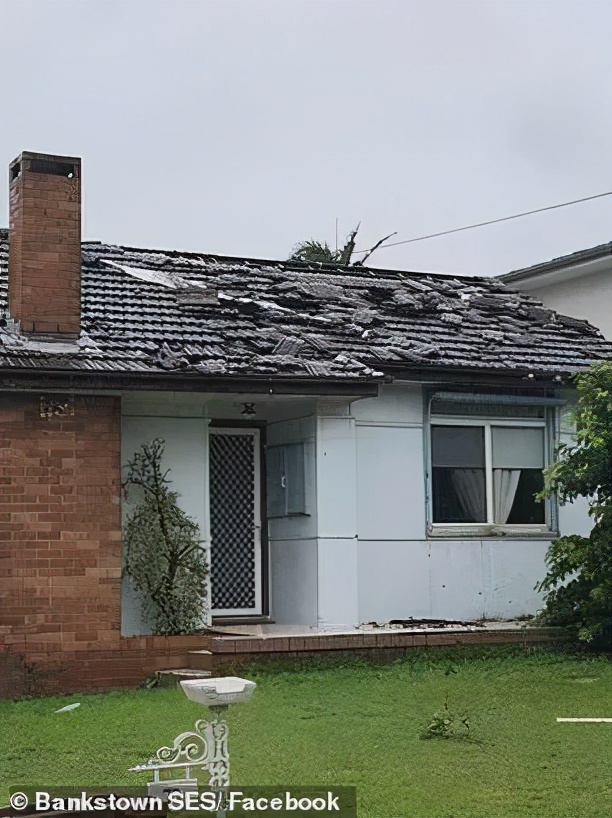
[(155, 312)]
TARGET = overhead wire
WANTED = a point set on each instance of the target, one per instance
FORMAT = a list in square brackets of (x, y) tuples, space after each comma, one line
[(490, 221)]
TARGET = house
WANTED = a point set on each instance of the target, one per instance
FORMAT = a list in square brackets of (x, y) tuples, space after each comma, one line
[(355, 444), (579, 284)]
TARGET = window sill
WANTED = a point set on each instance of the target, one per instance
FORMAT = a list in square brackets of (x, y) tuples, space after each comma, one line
[(490, 532)]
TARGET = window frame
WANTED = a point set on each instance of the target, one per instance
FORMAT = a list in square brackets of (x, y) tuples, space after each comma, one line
[(491, 529)]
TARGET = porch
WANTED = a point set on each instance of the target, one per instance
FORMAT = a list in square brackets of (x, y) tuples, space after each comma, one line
[(229, 648), (270, 481), (314, 514)]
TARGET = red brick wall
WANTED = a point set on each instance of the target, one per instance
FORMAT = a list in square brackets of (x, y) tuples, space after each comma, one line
[(127, 664), (61, 553), (60, 525), (45, 246)]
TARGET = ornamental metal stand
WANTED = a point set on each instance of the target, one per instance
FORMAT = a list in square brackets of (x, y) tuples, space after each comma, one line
[(205, 746)]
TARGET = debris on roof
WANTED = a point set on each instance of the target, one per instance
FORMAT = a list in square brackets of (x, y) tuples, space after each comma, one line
[(160, 311)]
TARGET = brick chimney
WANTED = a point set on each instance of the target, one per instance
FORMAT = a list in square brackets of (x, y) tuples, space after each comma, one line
[(45, 243)]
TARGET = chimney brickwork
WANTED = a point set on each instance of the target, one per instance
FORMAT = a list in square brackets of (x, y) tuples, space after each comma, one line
[(45, 243)]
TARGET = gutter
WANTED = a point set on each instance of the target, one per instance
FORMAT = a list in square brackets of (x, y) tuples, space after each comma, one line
[(28, 380)]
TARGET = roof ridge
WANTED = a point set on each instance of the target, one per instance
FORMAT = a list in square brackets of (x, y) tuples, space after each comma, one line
[(306, 266), (588, 254)]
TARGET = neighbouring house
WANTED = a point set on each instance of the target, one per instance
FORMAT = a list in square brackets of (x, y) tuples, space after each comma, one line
[(356, 444), (579, 284)]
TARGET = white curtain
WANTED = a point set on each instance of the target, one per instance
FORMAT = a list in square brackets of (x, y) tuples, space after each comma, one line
[(469, 485), (505, 482)]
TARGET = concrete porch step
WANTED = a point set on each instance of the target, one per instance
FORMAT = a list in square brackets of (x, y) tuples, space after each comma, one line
[(171, 678), (232, 651), (227, 653)]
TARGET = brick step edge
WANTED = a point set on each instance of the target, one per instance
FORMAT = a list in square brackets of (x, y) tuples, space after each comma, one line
[(370, 641)]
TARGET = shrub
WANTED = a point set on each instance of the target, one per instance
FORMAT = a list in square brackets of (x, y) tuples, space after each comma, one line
[(163, 552), (578, 584), (446, 724)]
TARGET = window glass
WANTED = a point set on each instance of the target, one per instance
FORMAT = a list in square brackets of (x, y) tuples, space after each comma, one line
[(458, 474), (458, 446), (518, 460), (525, 510), (517, 447), (460, 464)]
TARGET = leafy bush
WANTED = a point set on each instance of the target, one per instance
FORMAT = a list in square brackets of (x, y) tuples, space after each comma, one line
[(163, 553), (578, 584)]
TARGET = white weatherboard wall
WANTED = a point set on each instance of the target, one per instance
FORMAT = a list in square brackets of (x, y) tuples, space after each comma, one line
[(400, 572), (361, 553), (393, 556), (336, 479), (186, 457)]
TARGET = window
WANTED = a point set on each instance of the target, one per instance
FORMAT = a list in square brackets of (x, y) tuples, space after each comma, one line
[(286, 484), (486, 471)]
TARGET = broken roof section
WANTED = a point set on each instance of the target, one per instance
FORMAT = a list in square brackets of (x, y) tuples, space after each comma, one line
[(147, 311)]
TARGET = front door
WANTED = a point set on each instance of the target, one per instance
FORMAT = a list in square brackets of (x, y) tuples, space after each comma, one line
[(235, 522)]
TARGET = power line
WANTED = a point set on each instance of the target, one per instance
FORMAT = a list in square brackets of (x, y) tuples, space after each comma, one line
[(491, 221)]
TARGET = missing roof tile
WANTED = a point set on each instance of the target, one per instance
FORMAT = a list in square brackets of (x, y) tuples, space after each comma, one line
[(196, 296)]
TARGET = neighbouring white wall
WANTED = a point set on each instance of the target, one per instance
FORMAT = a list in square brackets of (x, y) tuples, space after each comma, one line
[(587, 297), (187, 458)]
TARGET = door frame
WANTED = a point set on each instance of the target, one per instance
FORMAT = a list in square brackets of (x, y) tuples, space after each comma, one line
[(219, 425)]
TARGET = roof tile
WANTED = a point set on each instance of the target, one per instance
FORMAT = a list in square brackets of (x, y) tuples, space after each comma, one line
[(155, 311)]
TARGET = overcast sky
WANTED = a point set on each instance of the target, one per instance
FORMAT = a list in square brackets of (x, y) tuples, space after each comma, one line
[(240, 127)]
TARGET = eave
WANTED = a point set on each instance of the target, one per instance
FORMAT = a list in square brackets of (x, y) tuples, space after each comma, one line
[(61, 380)]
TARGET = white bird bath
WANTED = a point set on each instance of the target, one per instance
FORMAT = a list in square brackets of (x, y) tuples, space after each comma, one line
[(205, 747), (220, 692)]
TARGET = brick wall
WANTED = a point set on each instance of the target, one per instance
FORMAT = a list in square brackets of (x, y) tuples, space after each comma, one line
[(126, 664), (61, 553), (45, 245)]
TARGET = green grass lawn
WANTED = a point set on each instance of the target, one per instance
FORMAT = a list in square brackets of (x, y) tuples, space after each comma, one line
[(360, 725)]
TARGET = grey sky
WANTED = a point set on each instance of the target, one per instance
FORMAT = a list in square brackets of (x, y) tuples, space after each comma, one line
[(242, 127)]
